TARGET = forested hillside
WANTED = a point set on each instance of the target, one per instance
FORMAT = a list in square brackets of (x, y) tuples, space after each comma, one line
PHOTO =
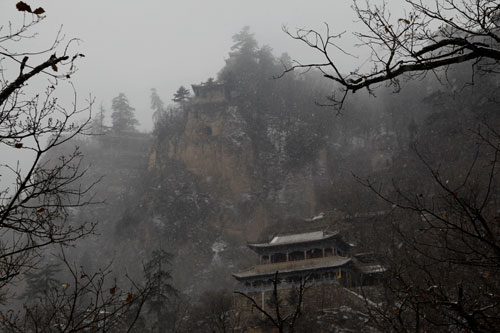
[(168, 175), (216, 174)]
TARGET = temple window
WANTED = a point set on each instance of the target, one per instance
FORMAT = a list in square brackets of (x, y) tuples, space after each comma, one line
[(314, 253), (296, 255), (257, 283), (278, 257)]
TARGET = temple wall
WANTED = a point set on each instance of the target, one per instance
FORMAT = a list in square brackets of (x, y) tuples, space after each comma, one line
[(318, 299)]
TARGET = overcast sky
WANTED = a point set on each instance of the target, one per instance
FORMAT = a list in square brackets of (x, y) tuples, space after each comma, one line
[(133, 46)]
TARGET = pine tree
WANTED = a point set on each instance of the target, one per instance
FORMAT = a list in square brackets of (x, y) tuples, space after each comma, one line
[(40, 281), (155, 271), (244, 43), (181, 95), (157, 105), (123, 115), (97, 124), (240, 72)]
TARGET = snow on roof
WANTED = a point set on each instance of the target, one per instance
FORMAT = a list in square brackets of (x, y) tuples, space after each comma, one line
[(286, 239), (293, 266), (370, 269), (296, 238)]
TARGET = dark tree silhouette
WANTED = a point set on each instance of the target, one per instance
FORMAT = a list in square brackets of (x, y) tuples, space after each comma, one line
[(161, 289), (283, 321), (181, 95), (82, 302), (39, 282), (35, 208), (241, 66), (431, 35), (444, 253), (123, 115)]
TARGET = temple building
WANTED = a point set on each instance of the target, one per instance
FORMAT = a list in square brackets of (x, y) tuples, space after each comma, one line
[(335, 279), (321, 257), (209, 92)]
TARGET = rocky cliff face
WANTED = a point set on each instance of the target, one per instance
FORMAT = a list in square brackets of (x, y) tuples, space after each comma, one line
[(250, 180), (216, 175), (219, 182)]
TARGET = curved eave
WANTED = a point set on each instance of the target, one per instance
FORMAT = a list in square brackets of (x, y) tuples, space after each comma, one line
[(290, 267), (255, 246)]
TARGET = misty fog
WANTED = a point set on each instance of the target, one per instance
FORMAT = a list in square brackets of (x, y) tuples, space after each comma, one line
[(249, 167)]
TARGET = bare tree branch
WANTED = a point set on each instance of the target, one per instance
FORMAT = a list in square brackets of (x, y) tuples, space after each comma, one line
[(429, 37)]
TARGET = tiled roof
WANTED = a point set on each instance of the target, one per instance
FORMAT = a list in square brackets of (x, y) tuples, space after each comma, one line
[(295, 238), (293, 266)]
